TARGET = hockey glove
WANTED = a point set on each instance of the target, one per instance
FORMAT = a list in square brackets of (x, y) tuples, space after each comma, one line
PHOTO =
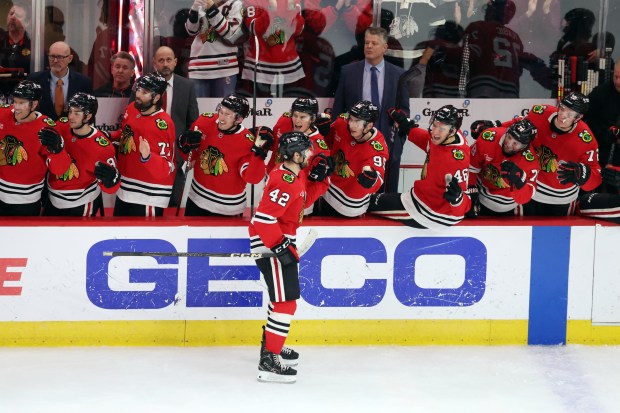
[(322, 167), (401, 119), (478, 126), (472, 191), (286, 252), (51, 139), (368, 179), (514, 175), (189, 140), (573, 173), (323, 123), (454, 193), (611, 177), (107, 174), (263, 142)]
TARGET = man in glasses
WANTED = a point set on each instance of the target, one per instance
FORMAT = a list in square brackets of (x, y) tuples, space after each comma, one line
[(59, 83), (567, 152)]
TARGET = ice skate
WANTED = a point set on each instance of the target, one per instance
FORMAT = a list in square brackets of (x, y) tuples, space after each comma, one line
[(288, 356), (270, 369)]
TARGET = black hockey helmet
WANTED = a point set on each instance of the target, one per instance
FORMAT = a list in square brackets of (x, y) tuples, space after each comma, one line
[(576, 101), (27, 89), (501, 11), (154, 82), (364, 110), (306, 105), (237, 104), (449, 115), (291, 142), (87, 103), (523, 131)]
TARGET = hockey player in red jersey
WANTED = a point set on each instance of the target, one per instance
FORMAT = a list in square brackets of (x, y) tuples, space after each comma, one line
[(26, 154), (227, 157), (503, 169), (567, 153), (146, 152), (273, 229), (438, 199), (77, 192), (606, 205), (360, 153), (304, 117)]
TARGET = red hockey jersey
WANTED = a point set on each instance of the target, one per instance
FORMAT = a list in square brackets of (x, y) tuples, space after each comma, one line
[(224, 164), (281, 209), (577, 145), (485, 170), (146, 182), (78, 185), (24, 162), (425, 202), (345, 194), (276, 30)]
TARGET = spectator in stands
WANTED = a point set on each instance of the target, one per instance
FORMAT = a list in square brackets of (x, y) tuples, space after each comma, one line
[(123, 70), (213, 65), (14, 41), (59, 82)]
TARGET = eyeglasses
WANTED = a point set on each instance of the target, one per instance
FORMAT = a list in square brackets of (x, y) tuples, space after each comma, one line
[(57, 57)]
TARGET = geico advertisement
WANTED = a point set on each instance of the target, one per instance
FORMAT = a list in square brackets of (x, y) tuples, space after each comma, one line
[(61, 273)]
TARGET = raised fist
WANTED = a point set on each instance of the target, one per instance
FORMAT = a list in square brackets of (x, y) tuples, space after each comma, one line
[(51, 139), (401, 119), (263, 141), (323, 123), (189, 140)]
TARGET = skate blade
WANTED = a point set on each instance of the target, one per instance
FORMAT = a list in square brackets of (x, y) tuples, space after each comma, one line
[(267, 377)]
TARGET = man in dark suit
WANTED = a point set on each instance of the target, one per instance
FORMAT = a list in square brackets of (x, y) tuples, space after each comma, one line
[(358, 82), (59, 83), (179, 102)]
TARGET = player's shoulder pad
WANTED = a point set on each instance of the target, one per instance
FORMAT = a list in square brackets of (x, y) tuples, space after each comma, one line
[(287, 114), (64, 119), (289, 178), (488, 135), (586, 136), (103, 139), (5, 105), (207, 114), (376, 145), (458, 154), (538, 109), (161, 124), (49, 122), (249, 136), (344, 116), (529, 155)]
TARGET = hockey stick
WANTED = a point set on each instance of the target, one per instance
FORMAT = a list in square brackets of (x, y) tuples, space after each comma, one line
[(257, 47), (303, 248)]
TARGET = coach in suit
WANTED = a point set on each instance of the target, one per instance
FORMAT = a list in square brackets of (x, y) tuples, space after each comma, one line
[(179, 101), (59, 83), (358, 82)]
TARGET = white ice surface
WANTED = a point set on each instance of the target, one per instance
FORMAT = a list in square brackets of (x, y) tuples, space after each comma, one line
[(575, 379)]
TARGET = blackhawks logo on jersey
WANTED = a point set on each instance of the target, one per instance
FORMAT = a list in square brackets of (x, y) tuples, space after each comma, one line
[(277, 37), (585, 136), (376, 146), (49, 122), (250, 137), (207, 114), (5, 105), (102, 141), (12, 151), (212, 162), (528, 155), (547, 159), (492, 175), (322, 144), (72, 172), (161, 124), (127, 143), (208, 35), (288, 178), (458, 154), (488, 135), (64, 119), (538, 109), (342, 166)]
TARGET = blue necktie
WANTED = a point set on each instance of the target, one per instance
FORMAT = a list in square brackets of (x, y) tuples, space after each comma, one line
[(374, 86)]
